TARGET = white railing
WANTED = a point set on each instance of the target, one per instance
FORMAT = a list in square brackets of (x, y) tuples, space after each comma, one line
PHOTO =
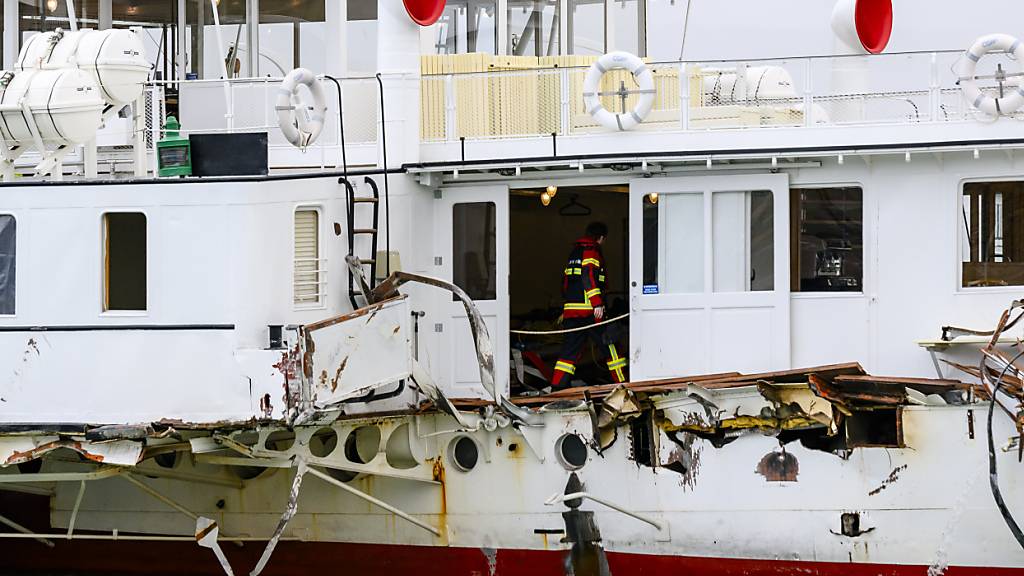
[(905, 88), (247, 105)]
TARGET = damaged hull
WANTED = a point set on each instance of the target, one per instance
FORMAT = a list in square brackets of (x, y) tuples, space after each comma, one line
[(738, 508)]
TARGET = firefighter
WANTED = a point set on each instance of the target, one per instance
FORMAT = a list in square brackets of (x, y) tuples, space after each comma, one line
[(582, 288)]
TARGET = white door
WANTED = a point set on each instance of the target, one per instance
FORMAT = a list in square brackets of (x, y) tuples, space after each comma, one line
[(473, 236), (709, 275)]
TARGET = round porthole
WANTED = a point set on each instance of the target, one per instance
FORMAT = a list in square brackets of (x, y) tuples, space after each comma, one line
[(166, 460), (280, 440), (362, 444), (571, 451), (464, 453), (323, 442)]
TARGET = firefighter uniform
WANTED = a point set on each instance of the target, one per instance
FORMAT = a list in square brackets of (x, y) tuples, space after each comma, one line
[(582, 287)]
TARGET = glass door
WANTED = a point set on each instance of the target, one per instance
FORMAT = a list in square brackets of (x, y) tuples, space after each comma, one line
[(709, 275), (473, 255)]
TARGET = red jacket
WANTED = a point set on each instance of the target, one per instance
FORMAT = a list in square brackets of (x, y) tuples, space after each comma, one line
[(583, 280)]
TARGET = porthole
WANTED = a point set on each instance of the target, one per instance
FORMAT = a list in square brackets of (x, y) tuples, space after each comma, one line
[(323, 442), (280, 440), (166, 460), (248, 438), (463, 453), (399, 450), (571, 451), (362, 444)]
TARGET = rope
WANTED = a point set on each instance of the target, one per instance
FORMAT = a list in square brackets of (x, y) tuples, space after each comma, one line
[(568, 330)]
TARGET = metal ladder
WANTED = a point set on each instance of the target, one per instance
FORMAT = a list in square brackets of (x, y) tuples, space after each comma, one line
[(352, 201)]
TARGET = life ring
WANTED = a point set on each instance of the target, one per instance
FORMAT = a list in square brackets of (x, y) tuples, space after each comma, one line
[(592, 84), (1014, 95), (300, 128)]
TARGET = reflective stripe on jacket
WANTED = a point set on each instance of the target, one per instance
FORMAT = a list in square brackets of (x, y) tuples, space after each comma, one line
[(583, 280)]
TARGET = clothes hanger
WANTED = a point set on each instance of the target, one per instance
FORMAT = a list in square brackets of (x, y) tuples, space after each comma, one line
[(574, 207)]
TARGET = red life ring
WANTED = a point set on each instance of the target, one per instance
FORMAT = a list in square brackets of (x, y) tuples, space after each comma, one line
[(424, 12)]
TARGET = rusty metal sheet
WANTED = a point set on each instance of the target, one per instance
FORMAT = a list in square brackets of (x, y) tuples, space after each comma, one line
[(862, 394), (350, 355), (18, 449)]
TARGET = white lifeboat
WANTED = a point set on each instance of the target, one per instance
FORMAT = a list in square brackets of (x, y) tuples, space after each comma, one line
[(65, 106), (114, 58)]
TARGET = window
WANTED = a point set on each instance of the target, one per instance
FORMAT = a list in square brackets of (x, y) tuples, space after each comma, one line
[(626, 26), (992, 234), (827, 239), (474, 251), (533, 27), (742, 241), (8, 249), (674, 243), (124, 251), (467, 26), (741, 236), (309, 277), (586, 27)]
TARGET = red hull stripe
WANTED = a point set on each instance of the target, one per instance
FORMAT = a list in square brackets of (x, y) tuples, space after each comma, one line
[(26, 557)]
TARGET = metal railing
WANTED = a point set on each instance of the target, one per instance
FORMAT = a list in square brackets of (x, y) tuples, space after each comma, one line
[(247, 105), (886, 89)]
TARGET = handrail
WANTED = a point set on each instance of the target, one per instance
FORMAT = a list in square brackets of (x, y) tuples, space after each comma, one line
[(557, 498), (714, 61)]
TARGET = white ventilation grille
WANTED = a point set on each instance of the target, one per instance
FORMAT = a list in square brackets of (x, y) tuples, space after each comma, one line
[(310, 277)]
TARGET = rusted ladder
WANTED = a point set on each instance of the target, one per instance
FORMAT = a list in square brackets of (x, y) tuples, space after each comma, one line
[(353, 201)]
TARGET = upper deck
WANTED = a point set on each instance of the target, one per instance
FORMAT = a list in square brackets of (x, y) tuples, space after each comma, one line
[(501, 82)]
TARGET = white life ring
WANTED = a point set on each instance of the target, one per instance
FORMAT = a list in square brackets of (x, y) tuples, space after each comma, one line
[(592, 85), (300, 124), (1014, 94)]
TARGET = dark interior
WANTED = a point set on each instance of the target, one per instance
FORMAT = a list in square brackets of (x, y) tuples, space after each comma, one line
[(541, 238)]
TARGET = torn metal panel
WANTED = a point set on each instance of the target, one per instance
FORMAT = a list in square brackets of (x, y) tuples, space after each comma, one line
[(18, 449), (616, 409), (350, 355), (848, 395)]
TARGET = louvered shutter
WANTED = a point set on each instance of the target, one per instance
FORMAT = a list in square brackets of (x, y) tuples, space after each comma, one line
[(307, 257)]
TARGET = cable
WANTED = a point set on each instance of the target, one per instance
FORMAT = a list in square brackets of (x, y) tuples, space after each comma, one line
[(993, 477), (568, 330)]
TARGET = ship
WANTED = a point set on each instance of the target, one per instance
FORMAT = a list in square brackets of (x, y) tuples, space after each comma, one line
[(280, 287)]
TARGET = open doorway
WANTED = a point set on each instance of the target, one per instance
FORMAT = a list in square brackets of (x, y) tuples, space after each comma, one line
[(541, 238)]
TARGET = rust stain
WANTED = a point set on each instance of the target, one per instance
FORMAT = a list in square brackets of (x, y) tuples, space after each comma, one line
[(337, 374), (778, 467), (265, 407), (442, 517), (27, 455), (307, 356), (889, 480), (397, 328), (287, 365)]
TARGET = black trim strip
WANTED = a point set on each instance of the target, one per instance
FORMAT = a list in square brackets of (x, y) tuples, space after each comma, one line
[(118, 327), (206, 179)]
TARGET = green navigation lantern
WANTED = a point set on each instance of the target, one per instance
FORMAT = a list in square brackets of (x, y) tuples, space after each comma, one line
[(173, 151)]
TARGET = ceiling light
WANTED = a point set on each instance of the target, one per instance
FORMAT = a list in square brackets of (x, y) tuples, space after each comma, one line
[(545, 198), (653, 197), (552, 190)]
